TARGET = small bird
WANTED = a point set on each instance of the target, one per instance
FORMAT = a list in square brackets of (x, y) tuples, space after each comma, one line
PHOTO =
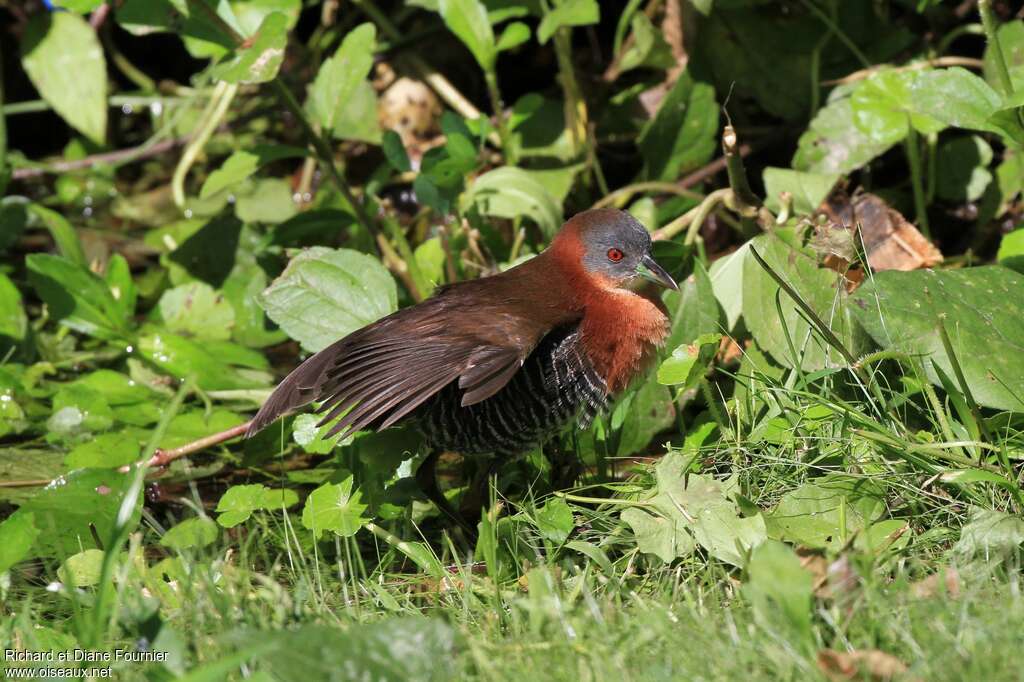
[(498, 365)]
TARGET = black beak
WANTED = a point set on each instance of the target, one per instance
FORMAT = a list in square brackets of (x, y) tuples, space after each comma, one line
[(650, 270)]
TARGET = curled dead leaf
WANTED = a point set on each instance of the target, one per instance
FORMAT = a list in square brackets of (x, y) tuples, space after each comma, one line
[(859, 664)]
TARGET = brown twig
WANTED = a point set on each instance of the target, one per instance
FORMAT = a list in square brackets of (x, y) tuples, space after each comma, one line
[(27, 483), (118, 156), (162, 458), (860, 75)]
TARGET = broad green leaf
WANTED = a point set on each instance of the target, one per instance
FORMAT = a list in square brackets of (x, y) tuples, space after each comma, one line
[(91, 409), (67, 511), (726, 276), (310, 437), (539, 130), (884, 106), (683, 134), (260, 57), (13, 321), (663, 537), (63, 233), (204, 36), (431, 258), (191, 425), (983, 312), (990, 532), (181, 357), (116, 388), (640, 416), (956, 97), (17, 535), (340, 75), (774, 319), (199, 531), (1011, 250), (196, 310), (689, 362), (649, 48), (700, 504), (80, 6), (83, 569), (14, 218), (394, 152), (468, 20), (510, 192), (833, 143), (568, 13), (63, 57), (76, 297), (1011, 40), (514, 35), (243, 163), (242, 290), (326, 294), (808, 189), (119, 279), (239, 502), (357, 120), (781, 591), (961, 168), (266, 200), (814, 514), (334, 507), (105, 451), (554, 520)]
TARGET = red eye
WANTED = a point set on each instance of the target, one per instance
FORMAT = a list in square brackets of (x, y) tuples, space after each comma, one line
[(614, 255)]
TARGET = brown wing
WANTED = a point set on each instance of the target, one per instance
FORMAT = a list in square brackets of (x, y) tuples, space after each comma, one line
[(477, 333)]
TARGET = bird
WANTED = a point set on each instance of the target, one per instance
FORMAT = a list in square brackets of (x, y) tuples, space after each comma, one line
[(498, 365)]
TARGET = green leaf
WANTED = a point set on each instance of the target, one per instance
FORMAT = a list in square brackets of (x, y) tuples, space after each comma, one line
[(884, 106), (358, 119), (514, 35), (781, 591), (961, 169), (510, 192), (649, 48), (119, 279), (199, 531), (76, 296), (808, 189), (91, 409), (983, 312), (554, 520), (79, 6), (239, 502), (663, 537), (682, 135), (67, 510), (689, 362), (334, 507), (311, 438), (815, 513), (64, 235), (17, 535), (326, 294), (204, 37), (243, 163), (834, 144), (339, 76), (196, 310), (394, 152), (116, 388), (789, 337), (62, 56), (105, 451), (956, 97), (83, 569), (194, 424), (207, 362), (266, 200), (726, 276), (467, 19), (1011, 250), (260, 57), (13, 321), (1011, 40), (990, 532), (645, 413), (568, 13)]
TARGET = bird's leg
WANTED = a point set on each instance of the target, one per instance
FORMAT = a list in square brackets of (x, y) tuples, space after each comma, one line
[(426, 478), (565, 465), (476, 494)]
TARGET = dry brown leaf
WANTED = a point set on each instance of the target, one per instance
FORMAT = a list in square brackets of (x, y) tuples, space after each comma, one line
[(861, 664), (890, 241), (945, 582)]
